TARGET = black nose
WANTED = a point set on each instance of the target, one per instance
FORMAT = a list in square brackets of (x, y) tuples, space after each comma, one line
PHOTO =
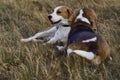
[(49, 17)]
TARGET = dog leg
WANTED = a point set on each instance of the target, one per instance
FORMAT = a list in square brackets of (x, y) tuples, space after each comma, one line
[(82, 53), (40, 34), (52, 40), (55, 38)]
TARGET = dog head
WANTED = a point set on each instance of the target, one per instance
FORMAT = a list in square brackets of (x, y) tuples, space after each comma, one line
[(60, 15), (85, 16)]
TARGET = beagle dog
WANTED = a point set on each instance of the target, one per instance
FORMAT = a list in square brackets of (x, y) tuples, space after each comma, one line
[(59, 17), (83, 40)]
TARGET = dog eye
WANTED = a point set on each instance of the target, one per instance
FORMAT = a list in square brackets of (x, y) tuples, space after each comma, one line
[(58, 12)]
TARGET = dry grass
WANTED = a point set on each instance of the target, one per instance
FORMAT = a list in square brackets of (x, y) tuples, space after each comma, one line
[(33, 61)]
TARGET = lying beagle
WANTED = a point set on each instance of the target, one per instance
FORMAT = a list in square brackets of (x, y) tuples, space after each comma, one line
[(83, 40), (59, 17)]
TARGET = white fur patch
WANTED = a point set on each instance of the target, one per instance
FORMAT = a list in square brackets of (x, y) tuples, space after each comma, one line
[(96, 62), (59, 47), (85, 54), (81, 17), (56, 17), (110, 58), (90, 40), (60, 35), (69, 51), (82, 53)]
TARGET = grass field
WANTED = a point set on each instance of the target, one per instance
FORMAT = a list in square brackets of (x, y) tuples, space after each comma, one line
[(33, 61)]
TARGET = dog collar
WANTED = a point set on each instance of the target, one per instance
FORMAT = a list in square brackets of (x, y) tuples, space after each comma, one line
[(65, 25)]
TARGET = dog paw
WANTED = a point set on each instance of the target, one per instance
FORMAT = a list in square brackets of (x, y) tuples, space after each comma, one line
[(24, 40), (36, 40), (60, 48)]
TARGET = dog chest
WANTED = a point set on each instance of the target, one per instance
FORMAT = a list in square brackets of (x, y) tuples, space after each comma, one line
[(63, 31)]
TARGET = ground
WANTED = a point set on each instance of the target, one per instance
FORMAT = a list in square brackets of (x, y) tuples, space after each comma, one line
[(33, 61)]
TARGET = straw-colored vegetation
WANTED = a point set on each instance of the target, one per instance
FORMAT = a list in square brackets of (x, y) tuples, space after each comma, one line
[(33, 61)]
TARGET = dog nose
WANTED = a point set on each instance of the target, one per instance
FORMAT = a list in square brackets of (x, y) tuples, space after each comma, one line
[(49, 17)]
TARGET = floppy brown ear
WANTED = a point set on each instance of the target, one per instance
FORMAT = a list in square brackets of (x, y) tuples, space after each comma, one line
[(92, 16), (69, 11), (73, 16)]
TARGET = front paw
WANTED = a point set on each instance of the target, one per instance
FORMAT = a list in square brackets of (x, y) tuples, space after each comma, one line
[(24, 40), (60, 48)]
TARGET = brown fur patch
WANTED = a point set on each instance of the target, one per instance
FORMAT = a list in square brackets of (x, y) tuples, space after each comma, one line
[(102, 50), (88, 13), (65, 12), (91, 16), (102, 47)]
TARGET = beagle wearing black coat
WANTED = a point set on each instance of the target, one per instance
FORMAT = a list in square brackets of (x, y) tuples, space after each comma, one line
[(84, 41)]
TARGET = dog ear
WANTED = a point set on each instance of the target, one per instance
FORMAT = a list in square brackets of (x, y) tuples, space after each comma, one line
[(69, 11), (92, 16), (73, 16)]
